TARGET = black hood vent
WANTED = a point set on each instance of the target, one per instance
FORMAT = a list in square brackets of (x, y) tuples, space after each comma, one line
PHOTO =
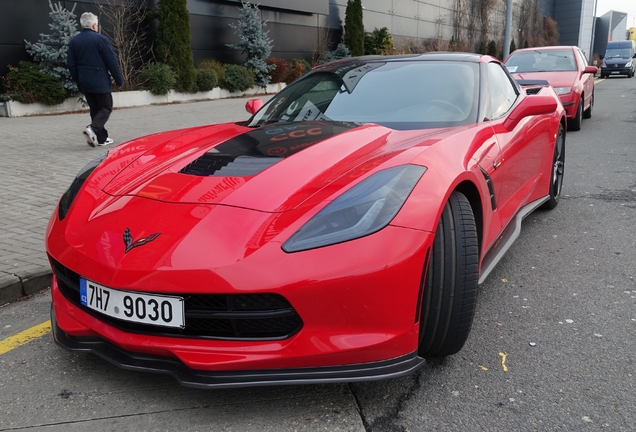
[(211, 164), (253, 152)]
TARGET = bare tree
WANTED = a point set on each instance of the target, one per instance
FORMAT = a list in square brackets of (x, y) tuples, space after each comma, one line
[(531, 24), (128, 34)]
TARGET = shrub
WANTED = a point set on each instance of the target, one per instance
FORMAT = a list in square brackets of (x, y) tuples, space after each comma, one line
[(280, 73), (206, 79), (299, 67), (238, 78), (217, 67), (159, 78), (28, 84), (339, 53)]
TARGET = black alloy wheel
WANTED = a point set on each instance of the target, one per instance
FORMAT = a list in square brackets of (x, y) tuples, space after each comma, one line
[(450, 287), (558, 169)]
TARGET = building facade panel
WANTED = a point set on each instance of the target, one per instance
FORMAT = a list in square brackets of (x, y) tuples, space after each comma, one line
[(298, 27)]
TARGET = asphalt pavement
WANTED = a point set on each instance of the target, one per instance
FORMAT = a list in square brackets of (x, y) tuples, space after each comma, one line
[(39, 158)]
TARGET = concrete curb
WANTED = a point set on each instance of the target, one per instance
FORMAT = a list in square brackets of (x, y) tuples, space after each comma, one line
[(12, 286)]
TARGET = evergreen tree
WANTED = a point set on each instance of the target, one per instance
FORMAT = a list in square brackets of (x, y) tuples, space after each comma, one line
[(50, 53), (254, 42), (173, 42), (354, 28), (513, 46), (491, 48), (379, 41)]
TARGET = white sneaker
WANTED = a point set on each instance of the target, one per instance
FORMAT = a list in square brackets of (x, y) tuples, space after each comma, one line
[(91, 138), (108, 141)]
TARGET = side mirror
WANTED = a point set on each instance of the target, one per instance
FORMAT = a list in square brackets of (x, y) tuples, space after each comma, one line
[(253, 105), (601, 57), (634, 56), (591, 70), (530, 106)]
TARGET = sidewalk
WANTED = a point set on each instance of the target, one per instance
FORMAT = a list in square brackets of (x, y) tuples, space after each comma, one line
[(39, 158)]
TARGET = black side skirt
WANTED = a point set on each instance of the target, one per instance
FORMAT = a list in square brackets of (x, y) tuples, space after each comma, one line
[(386, 369)]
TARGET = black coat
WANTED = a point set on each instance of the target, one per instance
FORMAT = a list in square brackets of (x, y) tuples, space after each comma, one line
[(90, 59)]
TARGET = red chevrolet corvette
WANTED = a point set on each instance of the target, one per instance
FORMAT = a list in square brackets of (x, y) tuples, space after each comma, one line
[(339, 234)]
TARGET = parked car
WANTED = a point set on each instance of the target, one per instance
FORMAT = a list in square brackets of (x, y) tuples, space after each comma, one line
[(566, 69), (339, 234), (619, 59)]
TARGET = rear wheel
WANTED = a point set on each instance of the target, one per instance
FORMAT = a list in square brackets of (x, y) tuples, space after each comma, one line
[(588, 112), (450, 288), (575, 123), (558, 169)]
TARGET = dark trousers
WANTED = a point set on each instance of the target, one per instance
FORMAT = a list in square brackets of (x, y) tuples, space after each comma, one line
[(101, 105)]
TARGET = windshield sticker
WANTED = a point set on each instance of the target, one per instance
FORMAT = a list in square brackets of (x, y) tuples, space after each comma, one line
[(512, 69), (308, 112)]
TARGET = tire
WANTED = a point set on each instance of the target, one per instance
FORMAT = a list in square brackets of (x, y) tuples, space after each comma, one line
[(558, 169), (588, 112), (575, 124), (450, 288), (603, 76)]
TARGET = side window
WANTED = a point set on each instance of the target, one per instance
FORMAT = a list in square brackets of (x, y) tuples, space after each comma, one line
[(582, 59), (503, 92)]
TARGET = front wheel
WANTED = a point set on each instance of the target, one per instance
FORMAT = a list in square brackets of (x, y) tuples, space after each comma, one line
[(575, 123), (450, 288), (558, 169)]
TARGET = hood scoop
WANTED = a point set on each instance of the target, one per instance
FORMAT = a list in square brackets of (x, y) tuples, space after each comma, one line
[(251, 153), (211, 164)]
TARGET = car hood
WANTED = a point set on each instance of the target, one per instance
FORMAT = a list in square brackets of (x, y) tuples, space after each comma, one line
[(556, 79), (616, 60), (273, 168)]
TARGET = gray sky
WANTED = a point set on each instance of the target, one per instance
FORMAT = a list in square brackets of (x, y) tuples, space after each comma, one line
[(629, 6)]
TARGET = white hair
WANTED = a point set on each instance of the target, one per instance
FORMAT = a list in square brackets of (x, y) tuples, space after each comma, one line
[(88, 19)]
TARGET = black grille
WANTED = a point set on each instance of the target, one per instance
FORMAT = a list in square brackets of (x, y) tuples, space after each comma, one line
[(216, 316)]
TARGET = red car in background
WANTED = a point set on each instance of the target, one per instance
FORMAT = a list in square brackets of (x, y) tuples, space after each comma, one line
[(566, 69), (339, 234)]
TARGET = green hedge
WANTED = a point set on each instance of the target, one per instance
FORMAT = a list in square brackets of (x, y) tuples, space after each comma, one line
[(28, 84), (159, 78), (238, 78), (206, 79)]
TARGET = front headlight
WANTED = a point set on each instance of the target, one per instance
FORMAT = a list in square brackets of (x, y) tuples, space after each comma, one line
[(562, 90), (364, 209), (629, 64), (71, 193)]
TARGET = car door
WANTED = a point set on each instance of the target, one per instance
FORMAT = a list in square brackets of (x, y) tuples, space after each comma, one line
[(523, 149), (586, 78)]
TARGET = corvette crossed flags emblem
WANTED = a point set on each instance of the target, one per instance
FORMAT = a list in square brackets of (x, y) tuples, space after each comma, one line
[(130, 244)]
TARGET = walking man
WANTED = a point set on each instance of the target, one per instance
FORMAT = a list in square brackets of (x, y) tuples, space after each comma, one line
[(90, 60)]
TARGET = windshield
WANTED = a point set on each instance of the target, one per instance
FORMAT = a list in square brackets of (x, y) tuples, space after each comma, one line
[(624, 53), (541, 61), (400, 95)]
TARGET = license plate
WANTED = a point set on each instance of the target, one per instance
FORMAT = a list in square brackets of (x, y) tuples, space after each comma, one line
[(153, 309), (615, 72)]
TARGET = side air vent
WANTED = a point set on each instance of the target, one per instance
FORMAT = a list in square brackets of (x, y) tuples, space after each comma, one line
[(491, 188)]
